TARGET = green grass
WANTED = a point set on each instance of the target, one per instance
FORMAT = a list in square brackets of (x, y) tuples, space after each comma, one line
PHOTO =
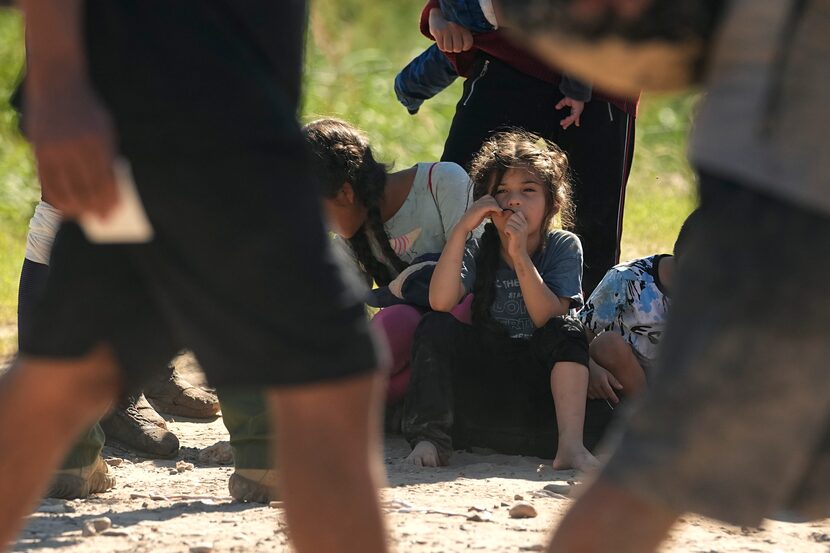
[(18, 191), (354, 50)]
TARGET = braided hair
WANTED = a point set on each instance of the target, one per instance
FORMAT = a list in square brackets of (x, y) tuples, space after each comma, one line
[(515, 149), (341, 153)]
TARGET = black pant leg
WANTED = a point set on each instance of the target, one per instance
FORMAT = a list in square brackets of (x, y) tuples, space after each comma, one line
[(496, 98), (599, 151), (32, 280), (442, 345)]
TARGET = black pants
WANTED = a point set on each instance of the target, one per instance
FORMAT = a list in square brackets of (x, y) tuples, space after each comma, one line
[(600, 150), (472, 387)]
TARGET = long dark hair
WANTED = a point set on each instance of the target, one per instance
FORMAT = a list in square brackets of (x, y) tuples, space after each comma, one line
[(341, 153), (515, 149)]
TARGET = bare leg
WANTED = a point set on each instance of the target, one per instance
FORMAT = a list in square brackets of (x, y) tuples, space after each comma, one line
[(44, 405), (569, 385), (607, 518), (328, 452), (611, 351)]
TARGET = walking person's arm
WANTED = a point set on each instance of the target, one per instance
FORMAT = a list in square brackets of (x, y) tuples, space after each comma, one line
[(68, 126)]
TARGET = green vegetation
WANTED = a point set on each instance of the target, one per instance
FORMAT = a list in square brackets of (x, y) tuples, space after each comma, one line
[(354, 50)]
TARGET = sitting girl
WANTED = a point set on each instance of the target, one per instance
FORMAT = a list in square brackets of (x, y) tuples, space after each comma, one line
[(516, 379), (387, 220)]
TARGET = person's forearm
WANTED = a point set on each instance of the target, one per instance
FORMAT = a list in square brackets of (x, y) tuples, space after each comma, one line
[(54, 42), (542, 304), (446, 288)]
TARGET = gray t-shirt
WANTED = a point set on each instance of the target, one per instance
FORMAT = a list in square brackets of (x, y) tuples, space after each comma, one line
[(763, 126), (560, 266)]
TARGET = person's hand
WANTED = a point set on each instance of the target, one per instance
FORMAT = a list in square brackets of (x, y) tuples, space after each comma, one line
[(482, 208), (74, 145), (601, 383), (516, 231), (576, 110), (449, 36)]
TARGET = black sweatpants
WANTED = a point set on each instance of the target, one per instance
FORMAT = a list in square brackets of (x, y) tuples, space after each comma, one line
[(473, 387), (599, 151)]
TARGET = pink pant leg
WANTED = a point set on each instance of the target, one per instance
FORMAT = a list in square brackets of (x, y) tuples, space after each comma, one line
[(397, 323), (463, 311)]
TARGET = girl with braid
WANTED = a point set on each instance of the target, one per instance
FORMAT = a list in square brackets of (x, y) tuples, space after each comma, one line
[(386, 220), (516, 379)]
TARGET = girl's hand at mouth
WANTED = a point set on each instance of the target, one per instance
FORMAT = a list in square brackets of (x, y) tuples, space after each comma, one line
[(485, 206), (515, 229)]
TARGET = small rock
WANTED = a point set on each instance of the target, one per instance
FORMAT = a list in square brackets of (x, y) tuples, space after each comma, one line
[(522, 510), (157, 497), (517, 497), (182, 466), (219, 453), (114, 461), (503, 504), (95, 526), (88, 530), (173, 471), (202, 548), (534, 547), (819, 537), (101, 523)]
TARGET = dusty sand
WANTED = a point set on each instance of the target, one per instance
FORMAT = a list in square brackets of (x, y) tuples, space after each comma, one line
[(428, 509)]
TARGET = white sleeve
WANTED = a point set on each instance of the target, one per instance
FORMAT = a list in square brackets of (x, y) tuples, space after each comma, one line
[(453, 193), (42, 230)]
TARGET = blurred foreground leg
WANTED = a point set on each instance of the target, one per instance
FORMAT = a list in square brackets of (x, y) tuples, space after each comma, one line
[(327, 450), (45, 404)]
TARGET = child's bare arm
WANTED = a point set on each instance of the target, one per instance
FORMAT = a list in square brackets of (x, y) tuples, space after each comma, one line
[(446, 288), (542, 304), (449, 36)]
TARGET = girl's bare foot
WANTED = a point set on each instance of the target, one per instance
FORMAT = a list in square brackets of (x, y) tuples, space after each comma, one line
[(576, 457), (424, 454)]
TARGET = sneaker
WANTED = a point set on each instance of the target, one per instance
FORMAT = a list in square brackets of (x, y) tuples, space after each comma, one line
[(253, 485), (136, 425), (78, 483), (174, 395)]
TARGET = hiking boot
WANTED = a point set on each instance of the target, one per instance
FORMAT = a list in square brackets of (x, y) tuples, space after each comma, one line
[(174, 395), (136, 425), (253, 485), (78, 483)]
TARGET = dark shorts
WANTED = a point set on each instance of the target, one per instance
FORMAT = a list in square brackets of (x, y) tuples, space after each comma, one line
[(240, 271), (736, 422), (203, 96)]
